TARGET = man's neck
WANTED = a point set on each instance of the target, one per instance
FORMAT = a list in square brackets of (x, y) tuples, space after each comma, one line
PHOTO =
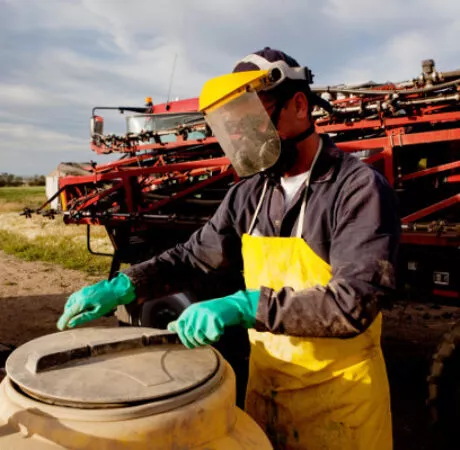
[(306, 153)]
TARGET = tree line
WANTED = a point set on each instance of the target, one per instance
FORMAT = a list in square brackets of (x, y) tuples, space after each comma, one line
[(8, 179)]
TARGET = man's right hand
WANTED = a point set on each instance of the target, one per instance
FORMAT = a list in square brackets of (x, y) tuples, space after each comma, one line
[(93, 302)]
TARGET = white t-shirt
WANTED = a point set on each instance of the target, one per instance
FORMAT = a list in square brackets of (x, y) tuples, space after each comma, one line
[(291, 185)]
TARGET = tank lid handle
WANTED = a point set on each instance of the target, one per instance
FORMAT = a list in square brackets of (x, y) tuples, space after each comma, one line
[(38, 362)]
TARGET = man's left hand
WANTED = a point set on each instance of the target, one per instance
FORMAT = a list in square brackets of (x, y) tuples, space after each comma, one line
[(203, 323)]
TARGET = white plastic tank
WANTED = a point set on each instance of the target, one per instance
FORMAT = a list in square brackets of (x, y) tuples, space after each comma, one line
[(121, 388)]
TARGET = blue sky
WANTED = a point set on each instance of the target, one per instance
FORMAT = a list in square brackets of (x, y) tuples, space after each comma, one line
[(59, 58)]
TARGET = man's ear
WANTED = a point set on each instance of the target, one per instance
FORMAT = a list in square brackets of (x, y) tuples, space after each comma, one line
[(301, 105)]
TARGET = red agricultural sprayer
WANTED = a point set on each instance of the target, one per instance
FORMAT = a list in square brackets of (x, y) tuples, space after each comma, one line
[(170, 175)]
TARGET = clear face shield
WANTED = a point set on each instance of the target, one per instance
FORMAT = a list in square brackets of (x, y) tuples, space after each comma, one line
[(246, 134)]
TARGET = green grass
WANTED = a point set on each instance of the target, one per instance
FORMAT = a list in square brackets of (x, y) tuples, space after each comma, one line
[(51, 241), (16, 198), (58, 250), (41, 239)]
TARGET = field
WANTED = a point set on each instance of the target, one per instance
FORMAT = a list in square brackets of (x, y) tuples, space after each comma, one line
[(44, 239), (43, 261), (13, 199)]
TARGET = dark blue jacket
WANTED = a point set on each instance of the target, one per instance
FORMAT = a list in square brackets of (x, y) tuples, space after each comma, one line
[(351, 222)]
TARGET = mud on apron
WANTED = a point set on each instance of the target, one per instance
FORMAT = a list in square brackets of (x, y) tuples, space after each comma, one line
[(312, 393)]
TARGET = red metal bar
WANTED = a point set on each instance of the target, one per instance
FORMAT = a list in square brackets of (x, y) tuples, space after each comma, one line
[(450, 294), (400, 140), (433, 239), (453, 179), (160, 159), (388, 163), (405, 139), (82, 221), (189, 191), (96, 196), (431, 170), (429, 137), (374, 158), (123, 162), (391, 122), (144, 147), (179, 177), (432, 209), (387, 156), (210, 164), (363, 144)]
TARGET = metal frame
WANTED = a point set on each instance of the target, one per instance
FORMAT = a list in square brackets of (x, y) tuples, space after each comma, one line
[(365, 119), (121, 172)]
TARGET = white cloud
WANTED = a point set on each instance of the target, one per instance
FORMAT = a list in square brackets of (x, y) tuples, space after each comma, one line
[(25, 95), (400, 56), (375, 14), (36, 150), (396, 37), (64, 57), (36, 139)]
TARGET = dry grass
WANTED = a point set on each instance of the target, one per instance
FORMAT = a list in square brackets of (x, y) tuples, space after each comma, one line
[(39, 227), (14, 199), (43, 239)]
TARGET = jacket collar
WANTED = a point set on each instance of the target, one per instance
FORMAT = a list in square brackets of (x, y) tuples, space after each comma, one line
[(328, 161), (326, 166)]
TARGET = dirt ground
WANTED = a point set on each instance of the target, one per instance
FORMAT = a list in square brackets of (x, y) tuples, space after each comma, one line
[(32, 296)]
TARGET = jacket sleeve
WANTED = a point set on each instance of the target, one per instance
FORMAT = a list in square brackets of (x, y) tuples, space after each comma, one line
[(211, 253), (363, 249)]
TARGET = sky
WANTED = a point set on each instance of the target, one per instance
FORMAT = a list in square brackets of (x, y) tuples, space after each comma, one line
[(60, 58)]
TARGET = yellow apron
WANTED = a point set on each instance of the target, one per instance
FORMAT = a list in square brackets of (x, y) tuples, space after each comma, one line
[(312, 393)]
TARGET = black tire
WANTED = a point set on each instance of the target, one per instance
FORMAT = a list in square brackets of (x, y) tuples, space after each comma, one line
[(159, 312), (155, 313)]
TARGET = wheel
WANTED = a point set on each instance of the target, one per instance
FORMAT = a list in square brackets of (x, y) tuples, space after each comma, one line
[(156, 313), (159, 312)]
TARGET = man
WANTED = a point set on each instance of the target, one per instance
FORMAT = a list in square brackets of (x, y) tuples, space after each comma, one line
[(314, 232)]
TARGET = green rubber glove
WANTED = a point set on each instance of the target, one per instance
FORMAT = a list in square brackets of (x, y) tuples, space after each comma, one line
[(204, 322), (95, 301)]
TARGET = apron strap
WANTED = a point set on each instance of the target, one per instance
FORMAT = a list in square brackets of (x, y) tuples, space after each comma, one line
[(305, 194), (298, 232), (259, 205), (304, 200)]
